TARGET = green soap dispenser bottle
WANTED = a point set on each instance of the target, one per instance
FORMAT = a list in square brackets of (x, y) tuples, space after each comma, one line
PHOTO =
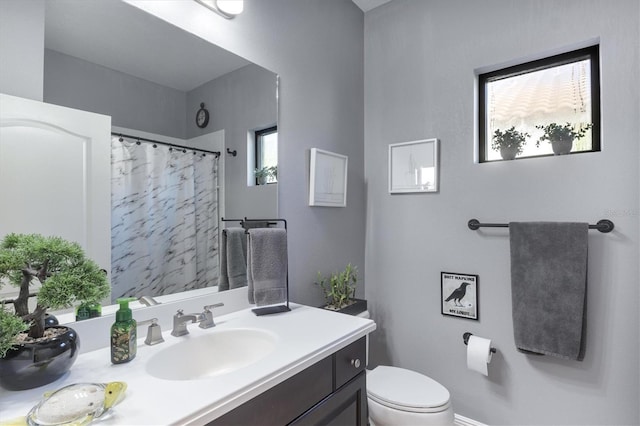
[(124, 334)]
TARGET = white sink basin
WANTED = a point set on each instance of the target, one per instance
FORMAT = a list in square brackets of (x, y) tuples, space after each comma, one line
[(212, 354)]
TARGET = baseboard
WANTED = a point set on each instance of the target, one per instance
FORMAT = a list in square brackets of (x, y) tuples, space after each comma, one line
[(465, 421)]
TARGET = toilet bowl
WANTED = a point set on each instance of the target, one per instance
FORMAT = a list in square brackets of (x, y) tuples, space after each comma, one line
[(397, 396)]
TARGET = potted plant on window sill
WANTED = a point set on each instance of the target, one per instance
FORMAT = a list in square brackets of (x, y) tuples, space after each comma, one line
[(561, 137), (339, 291), (32, 352), (265, 174), (509, 142)]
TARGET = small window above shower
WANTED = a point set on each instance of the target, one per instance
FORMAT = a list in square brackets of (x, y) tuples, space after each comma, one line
[(266, 156)]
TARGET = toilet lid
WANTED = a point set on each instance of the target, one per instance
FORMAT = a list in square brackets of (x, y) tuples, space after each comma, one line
[(406, 390)]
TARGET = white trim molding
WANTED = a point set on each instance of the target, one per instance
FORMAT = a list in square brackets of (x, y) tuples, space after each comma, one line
[(465, 421)]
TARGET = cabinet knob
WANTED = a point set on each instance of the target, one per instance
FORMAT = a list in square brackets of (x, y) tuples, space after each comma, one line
[(355, 363)]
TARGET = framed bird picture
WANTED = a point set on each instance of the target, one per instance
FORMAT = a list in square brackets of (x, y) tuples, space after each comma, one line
[(459, 295)]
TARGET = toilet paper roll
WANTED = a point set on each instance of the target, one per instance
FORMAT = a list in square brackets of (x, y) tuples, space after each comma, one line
[(478, 354)]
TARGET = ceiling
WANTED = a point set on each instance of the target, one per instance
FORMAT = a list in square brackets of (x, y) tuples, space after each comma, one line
[(367, 5), (122, 37)]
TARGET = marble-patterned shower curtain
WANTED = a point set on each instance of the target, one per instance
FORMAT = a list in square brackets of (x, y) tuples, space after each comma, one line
[(164, 220)]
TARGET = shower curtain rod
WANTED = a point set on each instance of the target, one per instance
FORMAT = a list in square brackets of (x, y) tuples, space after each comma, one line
[(173, 145)]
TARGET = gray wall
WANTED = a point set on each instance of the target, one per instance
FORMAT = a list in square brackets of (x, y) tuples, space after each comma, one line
[(21, 45), (239, 102), (317, 48), (420, 58), (131, 102)]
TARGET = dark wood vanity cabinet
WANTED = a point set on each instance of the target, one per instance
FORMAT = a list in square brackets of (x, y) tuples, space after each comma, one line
[(330, 392)]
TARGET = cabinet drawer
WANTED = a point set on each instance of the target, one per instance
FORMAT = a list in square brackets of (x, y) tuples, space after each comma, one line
[(350, 361)]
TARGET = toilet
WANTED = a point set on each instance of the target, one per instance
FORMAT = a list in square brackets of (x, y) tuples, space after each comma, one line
[(397, 396)]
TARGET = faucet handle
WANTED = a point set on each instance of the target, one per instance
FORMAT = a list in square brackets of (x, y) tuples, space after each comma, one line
[(154, 333), (216, 305), (207, 321), (148, 301), (179, 313)]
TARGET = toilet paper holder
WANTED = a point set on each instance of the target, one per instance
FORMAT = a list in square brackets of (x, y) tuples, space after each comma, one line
[(465, 339)]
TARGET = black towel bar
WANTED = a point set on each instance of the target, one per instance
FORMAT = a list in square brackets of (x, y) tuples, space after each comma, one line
[(604, 225), (244, 221)]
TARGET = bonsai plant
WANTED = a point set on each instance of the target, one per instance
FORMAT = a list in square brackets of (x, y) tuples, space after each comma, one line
[(266, 174), (339, 290), (66, 276), (10, 327), (509, 142), (561, 137)]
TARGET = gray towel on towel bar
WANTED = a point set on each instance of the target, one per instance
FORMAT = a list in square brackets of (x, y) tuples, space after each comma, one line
[(267, 265), (223, 280), (236, 257), (250, 224), (233, 259), (549, 287)]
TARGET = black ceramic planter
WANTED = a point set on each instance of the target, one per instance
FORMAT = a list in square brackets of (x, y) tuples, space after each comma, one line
[(359, 306), (30, 365)]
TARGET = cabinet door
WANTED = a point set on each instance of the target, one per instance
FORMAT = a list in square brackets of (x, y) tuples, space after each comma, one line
[(350, 361), (285, 401), (345, 407), (55, 174)]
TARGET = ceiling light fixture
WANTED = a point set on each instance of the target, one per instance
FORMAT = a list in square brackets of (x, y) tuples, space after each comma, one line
[(225, 8)]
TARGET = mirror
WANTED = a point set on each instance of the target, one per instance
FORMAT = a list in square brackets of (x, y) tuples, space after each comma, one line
[(111, 58)]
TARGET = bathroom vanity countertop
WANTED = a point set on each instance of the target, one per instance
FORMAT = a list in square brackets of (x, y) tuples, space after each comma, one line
[(304, 336)]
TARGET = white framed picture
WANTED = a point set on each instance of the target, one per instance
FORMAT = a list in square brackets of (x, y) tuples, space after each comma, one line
[(328, 179), (413, 166)]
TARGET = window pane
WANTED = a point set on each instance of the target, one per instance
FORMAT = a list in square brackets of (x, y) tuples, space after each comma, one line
[(269, 150), (267, 155), (532, 96)]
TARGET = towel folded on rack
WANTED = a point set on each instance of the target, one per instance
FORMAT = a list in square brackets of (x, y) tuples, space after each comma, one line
[(233, 259), (267, 265), (250, 224), (549, 287)]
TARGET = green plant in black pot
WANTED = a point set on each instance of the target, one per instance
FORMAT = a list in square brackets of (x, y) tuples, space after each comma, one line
[(509, 143), (561, 136), (339, 288), (67, 277)]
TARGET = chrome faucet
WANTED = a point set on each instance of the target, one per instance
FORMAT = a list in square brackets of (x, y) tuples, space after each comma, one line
[(180, 321), (148, 301), (207, 321)]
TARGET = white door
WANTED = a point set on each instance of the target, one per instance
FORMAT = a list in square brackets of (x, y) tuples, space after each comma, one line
[(55, 174)]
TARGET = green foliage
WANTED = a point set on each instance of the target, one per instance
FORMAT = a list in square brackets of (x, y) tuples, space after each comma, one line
[(340, 287), (84, 283), (564, 132), (510, 138), (266, 172), (10, 326), (66, 275)]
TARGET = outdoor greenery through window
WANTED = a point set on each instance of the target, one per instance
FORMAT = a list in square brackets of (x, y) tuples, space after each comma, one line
[(266, 150), (545, 107)]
